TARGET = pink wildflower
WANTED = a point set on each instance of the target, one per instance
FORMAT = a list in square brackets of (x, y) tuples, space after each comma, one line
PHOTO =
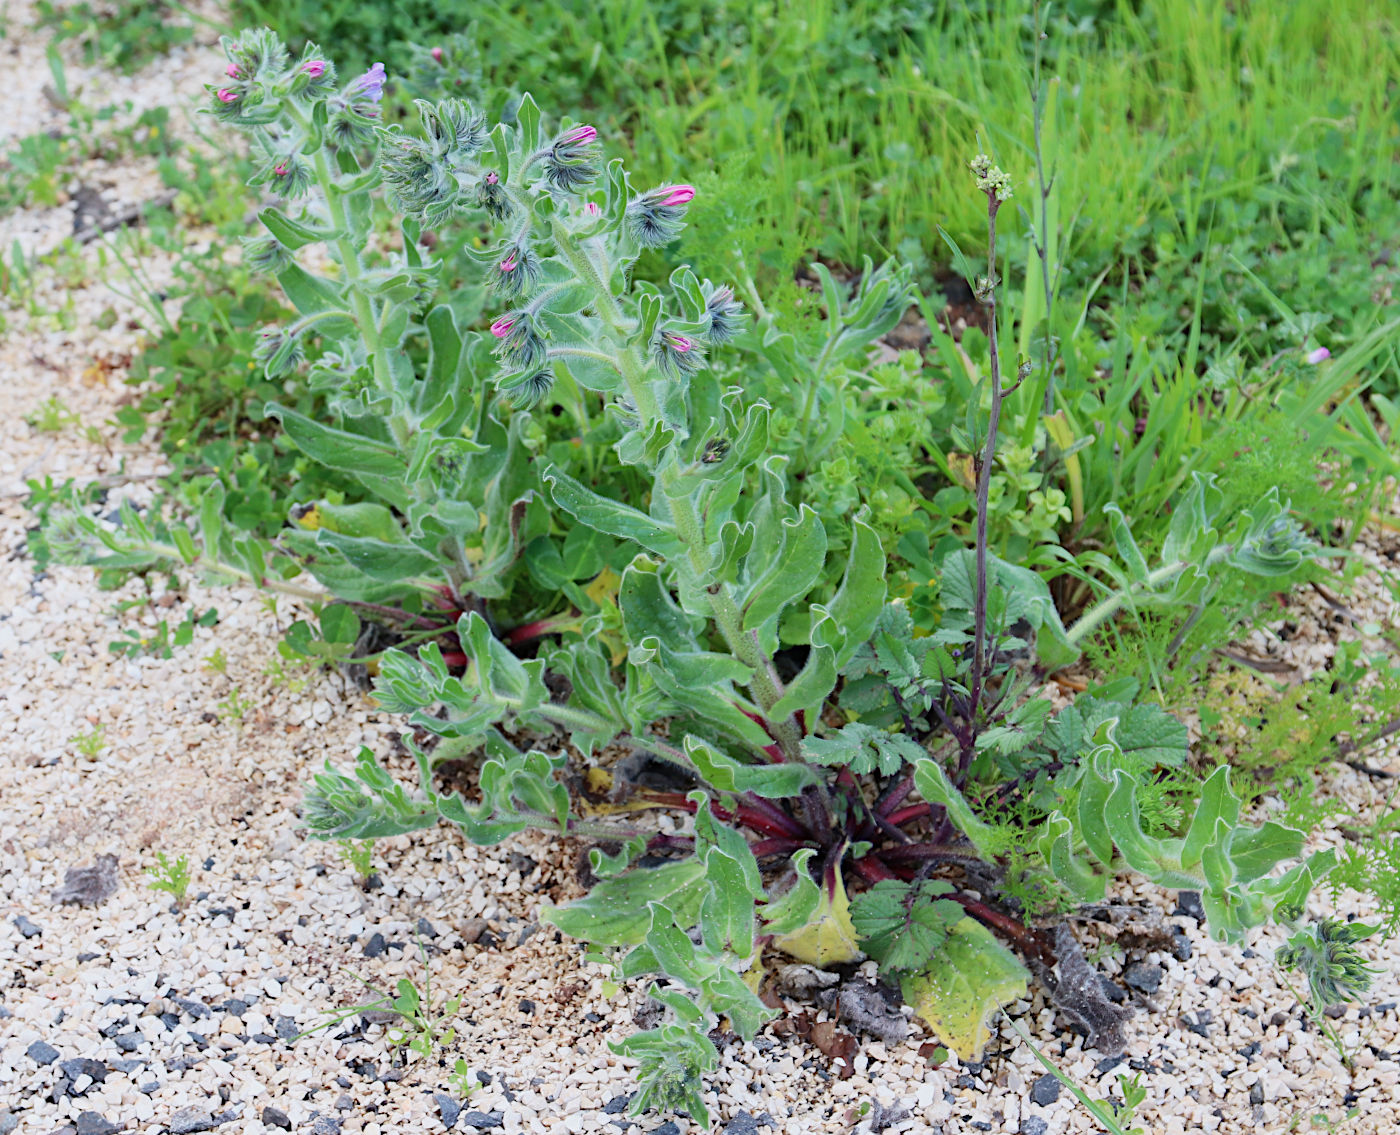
[(1317, 355), (314, 67), (679, 195), (501, 328), (436, 53), (226, 95), (233, 72)]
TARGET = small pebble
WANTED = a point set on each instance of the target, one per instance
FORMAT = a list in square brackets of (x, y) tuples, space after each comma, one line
[(41, 1053), (276, 1117), (376, 946), (1033, 1125), (26, 928), (192, 1119), (95, 1070), (1143, 977), (448, 1107), (94, 1123), (485, 1120), (1045, 1091)]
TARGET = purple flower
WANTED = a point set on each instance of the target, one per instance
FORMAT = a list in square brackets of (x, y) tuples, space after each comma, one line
[(370, 85), (1317, 356), (314, 67), (578, 136)]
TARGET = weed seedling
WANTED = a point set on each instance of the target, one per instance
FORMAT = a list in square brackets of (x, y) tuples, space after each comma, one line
[(91, 743), (359, 855), (171, 877)]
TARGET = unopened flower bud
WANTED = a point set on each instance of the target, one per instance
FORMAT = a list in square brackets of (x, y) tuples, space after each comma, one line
[(593, 209), (491, 197), (227, 96), (314, 67), (436, 53), (723, 313), (677, 355), (520, 346), (656, 218), (516, 272), (571, 162), (1316, 356), (232, 71)]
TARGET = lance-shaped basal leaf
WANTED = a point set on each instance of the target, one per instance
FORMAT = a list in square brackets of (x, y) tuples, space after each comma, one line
[(968, 980), (609, 516), (935, 787), (615, 912), (827, 938), (798, 905), (724, 773)]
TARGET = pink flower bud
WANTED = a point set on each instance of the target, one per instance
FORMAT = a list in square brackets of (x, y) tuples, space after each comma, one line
[(314, 67), (233, 72), (226, 95), (592, 210), (579, 136), (501, 328), (677, 342), (280, 169), (508, 264), (436, 53), (1318, 355), (493, 178), (679, 195)]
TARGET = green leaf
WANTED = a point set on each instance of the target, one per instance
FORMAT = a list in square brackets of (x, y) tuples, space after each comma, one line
[(615, 912), (293, 234), (967, 981), (902, 925), (723, 772), (610, 516), (727, 912)]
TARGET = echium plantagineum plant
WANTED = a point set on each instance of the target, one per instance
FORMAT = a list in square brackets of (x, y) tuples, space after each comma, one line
[(847, 788)]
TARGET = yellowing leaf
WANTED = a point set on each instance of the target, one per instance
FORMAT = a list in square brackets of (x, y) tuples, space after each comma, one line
[(310, 519), (604, 587), (829, 938), (598, 781), (964, 469), (968, 980)]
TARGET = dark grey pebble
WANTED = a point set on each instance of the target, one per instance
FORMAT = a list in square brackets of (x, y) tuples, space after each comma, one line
[(449, 1108), (84, 1066), (170, 1020), (343, 1081), (344, 1103), (426, 928), (617, 1105), (1256, 1094), (1033, 1126), (667, 1128), (276, 1117), (93, 1123), (264, 1038), (1201, 1025), (1112, 990), (527, 1006), (8, 1122), (197, 1009), (325, 1125), (287, 1028), (1188, 903), (235, 1005), (485, 1120), (375, 946), (1181, 945), (189, 1120), (87, 957), (1045, 1091), (26, 928), (149, 1088), (41, 1053), (742, 1124), (127, 1067), (1143, 977)]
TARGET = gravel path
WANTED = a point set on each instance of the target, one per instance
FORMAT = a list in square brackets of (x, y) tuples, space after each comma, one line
[(130, 1014)]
